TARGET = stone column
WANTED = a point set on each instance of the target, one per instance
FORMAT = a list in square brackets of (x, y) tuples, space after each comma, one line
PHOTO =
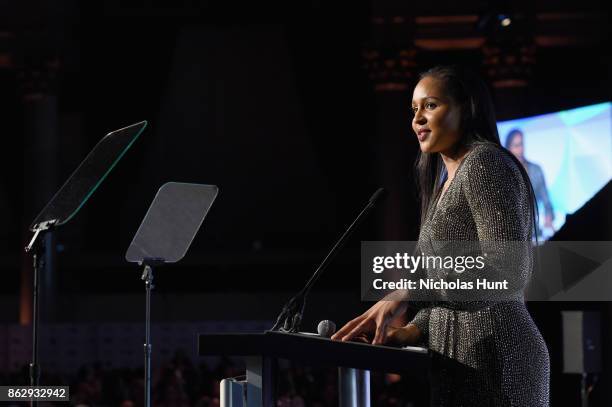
[(37, 73)]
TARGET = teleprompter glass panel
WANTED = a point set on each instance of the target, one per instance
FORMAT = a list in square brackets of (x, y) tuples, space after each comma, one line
[(171, 223), (88, 176)]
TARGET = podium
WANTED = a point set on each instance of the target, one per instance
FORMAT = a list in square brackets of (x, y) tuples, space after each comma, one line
[(262, 350)]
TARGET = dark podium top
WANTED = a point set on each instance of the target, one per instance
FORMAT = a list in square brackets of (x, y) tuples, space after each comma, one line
[(316, 350)]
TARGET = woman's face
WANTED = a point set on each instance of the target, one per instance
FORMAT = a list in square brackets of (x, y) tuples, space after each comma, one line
[(437, 117)]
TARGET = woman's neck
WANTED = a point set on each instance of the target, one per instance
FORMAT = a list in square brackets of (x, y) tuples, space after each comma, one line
[(452, 160)]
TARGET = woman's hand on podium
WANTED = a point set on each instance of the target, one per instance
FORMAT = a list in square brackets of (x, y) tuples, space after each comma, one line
[(375, 322), (407, 335)]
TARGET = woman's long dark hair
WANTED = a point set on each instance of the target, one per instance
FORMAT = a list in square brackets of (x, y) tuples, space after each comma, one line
[(478, 125)]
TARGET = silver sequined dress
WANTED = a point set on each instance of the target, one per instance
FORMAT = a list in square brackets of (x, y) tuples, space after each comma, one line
[(489, 353)]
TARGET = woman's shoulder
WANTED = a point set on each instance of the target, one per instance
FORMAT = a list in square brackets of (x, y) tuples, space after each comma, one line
[(488, 158), (490, 167), (497, 190)]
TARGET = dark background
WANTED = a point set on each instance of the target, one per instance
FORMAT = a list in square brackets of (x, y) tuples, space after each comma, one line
[(298, 111)]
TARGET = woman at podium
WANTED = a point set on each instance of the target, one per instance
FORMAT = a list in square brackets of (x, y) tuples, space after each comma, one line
[(471, 189)]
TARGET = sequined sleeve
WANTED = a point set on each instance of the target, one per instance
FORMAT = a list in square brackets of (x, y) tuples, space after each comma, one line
[(497, 196), (421, 320), (498, 199)]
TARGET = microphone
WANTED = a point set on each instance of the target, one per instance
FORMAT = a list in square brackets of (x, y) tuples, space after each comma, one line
[(326, 328), (290, 317)]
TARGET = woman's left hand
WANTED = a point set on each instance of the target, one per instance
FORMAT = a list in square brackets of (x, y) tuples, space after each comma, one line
[(396, 336)]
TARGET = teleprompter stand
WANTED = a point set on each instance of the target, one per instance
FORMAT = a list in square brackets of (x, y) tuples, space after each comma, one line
[(164, 236), (64, 206)]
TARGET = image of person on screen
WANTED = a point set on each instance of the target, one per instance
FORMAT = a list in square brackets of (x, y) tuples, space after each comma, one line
[(515, 143), (484, 352)]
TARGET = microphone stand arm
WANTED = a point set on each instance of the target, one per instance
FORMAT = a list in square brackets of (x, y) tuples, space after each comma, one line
[(290, 317)]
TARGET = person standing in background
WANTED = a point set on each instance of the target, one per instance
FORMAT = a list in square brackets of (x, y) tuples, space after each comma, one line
[(515, 144)]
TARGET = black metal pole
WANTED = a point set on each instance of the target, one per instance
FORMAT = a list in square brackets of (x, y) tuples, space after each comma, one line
[(147, 276), (38, 261), (584, 393)]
